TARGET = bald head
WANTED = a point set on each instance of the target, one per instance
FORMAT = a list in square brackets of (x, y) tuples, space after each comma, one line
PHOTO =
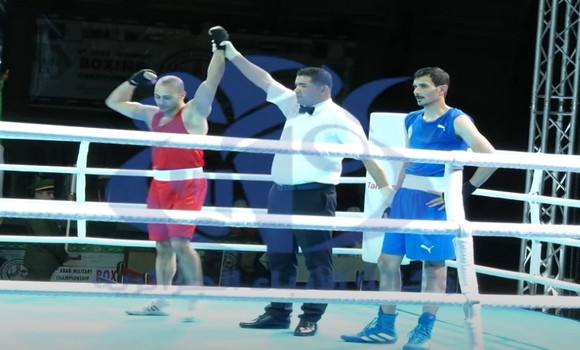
[(171, 82)]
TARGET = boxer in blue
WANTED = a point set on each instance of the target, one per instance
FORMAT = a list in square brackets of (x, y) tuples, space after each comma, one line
[(436, 126)]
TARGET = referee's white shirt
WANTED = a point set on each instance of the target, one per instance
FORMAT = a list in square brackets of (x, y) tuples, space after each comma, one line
[(329, 123)]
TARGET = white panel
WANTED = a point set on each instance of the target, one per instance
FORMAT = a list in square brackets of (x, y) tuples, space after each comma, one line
[(385, 130)]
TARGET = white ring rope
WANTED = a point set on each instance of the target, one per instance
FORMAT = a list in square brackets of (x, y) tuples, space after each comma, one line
[(504, 159), (574, 287), (224, 217), (277, 295), (149, 173), (471, 300)]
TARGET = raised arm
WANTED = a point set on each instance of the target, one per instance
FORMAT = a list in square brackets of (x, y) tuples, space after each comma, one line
[(198, 109), (255, 74), (120, 99), (205, 93)]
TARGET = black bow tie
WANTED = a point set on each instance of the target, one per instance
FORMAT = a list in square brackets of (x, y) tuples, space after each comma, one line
[(306, 109)]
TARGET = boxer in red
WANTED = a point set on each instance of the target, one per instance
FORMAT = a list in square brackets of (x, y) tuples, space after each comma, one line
[(178, 181)]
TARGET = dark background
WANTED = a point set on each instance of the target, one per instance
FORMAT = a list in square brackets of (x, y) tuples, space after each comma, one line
[(486, 46)]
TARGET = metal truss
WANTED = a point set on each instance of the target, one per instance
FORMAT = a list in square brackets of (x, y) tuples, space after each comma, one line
[(552, 130)]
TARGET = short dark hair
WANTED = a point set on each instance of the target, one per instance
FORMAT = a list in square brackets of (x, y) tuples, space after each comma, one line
[(318, 75), (437, 75)]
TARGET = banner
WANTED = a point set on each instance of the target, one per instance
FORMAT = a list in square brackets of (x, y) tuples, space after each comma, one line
[(81, 62)]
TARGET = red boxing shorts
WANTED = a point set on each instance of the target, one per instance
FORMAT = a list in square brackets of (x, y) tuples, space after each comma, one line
[(183, 195)]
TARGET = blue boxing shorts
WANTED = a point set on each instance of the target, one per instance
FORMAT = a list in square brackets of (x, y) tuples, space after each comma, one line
[(411, 204)]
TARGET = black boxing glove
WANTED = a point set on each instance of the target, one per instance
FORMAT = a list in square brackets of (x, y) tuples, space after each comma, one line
[(467, 189), (218, 34), (138, 78)]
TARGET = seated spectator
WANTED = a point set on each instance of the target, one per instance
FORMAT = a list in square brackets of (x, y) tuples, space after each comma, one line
[(43, 259)]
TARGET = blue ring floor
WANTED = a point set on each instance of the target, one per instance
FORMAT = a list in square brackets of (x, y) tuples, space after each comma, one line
[(67, 323)]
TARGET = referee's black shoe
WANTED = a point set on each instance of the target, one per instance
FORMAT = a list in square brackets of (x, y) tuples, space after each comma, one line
[(267, 321)]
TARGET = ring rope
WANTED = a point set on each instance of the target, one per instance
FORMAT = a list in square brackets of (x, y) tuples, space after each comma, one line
[(505, 159), (149, 173), (122, 212), (266, 177), (82, 289)]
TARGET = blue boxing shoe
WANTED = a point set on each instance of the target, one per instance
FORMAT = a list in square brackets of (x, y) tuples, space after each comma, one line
[(379, 330), (420, 336)]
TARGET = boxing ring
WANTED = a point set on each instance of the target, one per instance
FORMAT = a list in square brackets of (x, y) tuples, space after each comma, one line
[(90, 315)]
